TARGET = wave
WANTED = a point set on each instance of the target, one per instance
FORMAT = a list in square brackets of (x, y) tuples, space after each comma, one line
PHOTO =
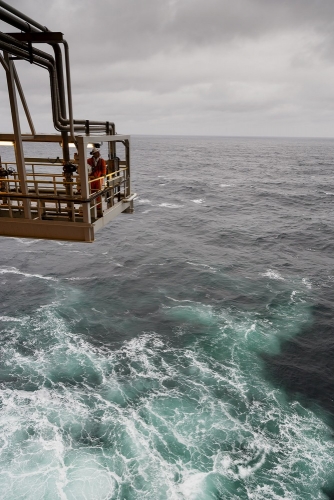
[(144, 201), (272, 274), (14, 270), (189, 417), (169, 205)]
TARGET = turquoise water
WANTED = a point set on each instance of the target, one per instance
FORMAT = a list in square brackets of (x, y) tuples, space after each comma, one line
[(138, 367)]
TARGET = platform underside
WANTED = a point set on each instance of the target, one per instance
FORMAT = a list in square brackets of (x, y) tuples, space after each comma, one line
[(60, 230)]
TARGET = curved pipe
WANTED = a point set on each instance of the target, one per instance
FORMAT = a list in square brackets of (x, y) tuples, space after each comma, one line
[(24, 54), (55, 68)]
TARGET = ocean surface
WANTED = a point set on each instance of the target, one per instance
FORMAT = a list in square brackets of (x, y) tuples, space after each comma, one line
[(187, 354)]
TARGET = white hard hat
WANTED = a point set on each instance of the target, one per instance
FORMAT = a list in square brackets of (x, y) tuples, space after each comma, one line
[(95, 150)]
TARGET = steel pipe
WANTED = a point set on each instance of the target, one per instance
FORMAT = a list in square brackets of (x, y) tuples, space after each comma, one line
[(55, 67)]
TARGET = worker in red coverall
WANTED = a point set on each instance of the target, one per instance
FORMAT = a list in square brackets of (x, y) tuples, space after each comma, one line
[(97, 168)]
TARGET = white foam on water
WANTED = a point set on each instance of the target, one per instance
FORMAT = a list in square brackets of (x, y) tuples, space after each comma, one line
[(250, 330), (193, 487), (96, 310), (202, 313), (151, 419), (88, 479), (144, 201), (62, 243), (169, 205), (199, 201), (10, 318), (14, 270), (82, 278), (183, 300), (153, 264), (198, 264), (273, 274), (27, 241), (307, 283)]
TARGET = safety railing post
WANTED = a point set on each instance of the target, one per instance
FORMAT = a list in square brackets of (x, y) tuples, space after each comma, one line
[(127, 159)]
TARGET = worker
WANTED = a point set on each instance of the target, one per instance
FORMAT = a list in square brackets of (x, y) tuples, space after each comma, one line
[(97, 169)]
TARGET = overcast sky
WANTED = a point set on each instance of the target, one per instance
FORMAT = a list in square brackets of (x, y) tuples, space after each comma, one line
[(192, 67)]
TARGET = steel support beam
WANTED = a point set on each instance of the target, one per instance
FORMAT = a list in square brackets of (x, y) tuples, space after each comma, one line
[(23, 101), (17, 134), (33, 37)]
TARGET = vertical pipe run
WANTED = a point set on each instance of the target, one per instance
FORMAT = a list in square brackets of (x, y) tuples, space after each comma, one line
[(17, 134), (69, 91), (83, 172), (62, 102)]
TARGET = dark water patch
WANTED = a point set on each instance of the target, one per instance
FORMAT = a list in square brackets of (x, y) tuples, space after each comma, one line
[(329, 492), (305, 364)]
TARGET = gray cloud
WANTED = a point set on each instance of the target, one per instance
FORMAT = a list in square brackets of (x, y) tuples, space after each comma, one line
[(132, 29), (166, 66)]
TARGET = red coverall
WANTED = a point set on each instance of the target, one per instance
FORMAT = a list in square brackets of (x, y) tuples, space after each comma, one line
[(98, 170)]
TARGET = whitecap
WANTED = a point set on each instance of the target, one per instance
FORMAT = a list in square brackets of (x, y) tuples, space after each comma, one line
[(152, 264), (251, 329), (245, 472), (9, 318), (13, 270), (144, 200), (83, 278), (170, 205), (194, 485), (63, 243), (198, 201), (202, 265), (27, 241), (184, 300), (272, 274), (225, 185), (96, 310), (307, 283)]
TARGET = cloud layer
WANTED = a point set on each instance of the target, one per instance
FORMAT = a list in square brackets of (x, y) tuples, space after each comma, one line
[(247, 67)]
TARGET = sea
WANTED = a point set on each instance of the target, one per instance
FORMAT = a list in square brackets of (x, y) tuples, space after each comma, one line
[(186, 354)]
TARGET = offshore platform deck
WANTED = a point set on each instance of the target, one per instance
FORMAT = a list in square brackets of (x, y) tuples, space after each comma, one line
[(57, 197)]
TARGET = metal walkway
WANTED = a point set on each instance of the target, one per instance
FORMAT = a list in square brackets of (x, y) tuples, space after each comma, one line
[(53, 198)]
